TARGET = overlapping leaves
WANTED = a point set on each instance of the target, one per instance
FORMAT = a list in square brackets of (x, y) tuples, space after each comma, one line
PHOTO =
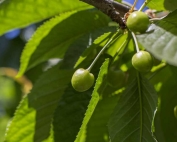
[(33, 117), (133, 116), (66, 128), (97, 130), (94, 100), (165, 121), (162, 39), (134, 113), (53, 38), (42, 96)]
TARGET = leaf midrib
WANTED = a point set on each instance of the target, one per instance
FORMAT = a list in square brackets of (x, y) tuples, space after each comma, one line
[(141, 107)]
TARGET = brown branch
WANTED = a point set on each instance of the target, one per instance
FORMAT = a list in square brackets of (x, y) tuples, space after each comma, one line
[(121, 8), (111, 8)]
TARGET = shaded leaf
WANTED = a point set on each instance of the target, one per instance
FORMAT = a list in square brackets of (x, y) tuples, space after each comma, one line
[(91, 52), (73, 100), (85, 49), (161, 42), (134, 113), (50, 138), (53, 38), (170, 4), (94, 100), (158, 80), (20, 13), (70, 112), (33, 117), (165, 118), (97, 130)]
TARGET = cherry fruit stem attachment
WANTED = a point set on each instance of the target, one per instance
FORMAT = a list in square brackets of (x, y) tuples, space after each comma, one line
[(135, 41), (132, 8), (99, 54)]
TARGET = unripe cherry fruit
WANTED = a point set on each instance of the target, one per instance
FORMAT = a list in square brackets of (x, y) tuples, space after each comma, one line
[(138, 22), (82, 80), (142, 61), (116, 78)]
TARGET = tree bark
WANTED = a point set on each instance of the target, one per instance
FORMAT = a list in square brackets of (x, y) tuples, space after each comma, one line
[(111, 8)]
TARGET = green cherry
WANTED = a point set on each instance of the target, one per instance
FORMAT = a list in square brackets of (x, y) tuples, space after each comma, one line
[(138, 22), (82, 80), (142, 61)]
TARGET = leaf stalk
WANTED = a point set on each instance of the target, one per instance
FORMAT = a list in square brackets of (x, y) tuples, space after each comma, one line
[(135, 41)]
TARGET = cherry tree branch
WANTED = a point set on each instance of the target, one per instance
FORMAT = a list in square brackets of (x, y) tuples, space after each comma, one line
[(111, 8), (121, 8)]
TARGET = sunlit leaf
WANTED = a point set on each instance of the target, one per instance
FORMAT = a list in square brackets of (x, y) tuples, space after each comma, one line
[(162, 4), (20, 13), (53, 38)]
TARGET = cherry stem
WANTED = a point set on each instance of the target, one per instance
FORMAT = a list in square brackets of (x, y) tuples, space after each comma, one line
[(132, 8), (144, 4), (136, 42), (99, 54)]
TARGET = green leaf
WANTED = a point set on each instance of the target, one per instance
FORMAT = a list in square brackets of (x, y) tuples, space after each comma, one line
[(32, 119), (117, 44), (134, 113), (117, 49), (167, 79), (97, 130), (53, 38), (119, 0), (50, 138), (161, 42), (20, 13), (170, 18), (3, 124), (91, 52), (83, 51), (94, 100), (70, 112), (170, 4), (162, 4), (156, 4)]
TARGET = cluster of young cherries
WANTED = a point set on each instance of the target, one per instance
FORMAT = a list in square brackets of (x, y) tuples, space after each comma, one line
[(142, 61)]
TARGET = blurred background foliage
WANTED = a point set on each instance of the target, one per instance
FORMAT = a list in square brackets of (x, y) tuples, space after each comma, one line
[(12, 89)]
